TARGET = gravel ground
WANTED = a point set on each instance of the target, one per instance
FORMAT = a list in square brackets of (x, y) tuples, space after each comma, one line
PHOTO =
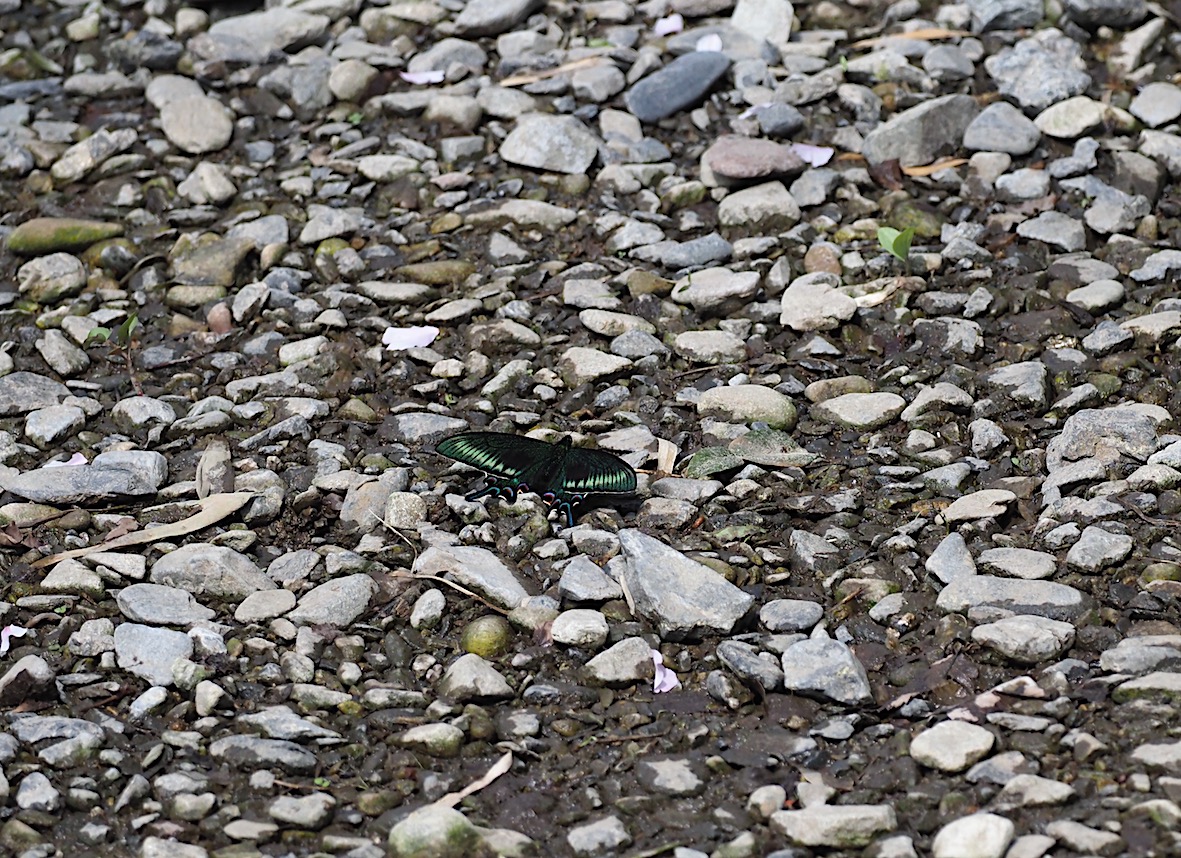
[(901, 576)]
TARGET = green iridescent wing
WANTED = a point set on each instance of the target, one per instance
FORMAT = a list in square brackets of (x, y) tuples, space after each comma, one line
[(509, 457), (597, 472), (560, 473)]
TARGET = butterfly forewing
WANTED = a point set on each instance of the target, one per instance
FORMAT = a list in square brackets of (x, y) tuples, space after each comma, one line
[(502, 455), (596, 471)]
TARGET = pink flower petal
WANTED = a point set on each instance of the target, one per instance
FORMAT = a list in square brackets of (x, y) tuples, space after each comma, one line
[(423, 77), (710, 42), (396, 339), (753, 110), (76, 459), (666, 680), (674, 23), (817, 156), (9, 632)]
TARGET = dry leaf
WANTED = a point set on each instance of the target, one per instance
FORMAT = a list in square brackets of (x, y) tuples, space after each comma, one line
[(499, 768), (929, 169), (12, 536), (213, 509), (926, 34), (887, 174), (666, 456), (533, 77), (872, 299), (126, 525)]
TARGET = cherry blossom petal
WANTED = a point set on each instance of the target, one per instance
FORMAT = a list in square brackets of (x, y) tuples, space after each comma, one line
[(423, 77), (753, 110), (9, 632), (817, 156), (396, 339), (710, 42), (674, 23), (76, 459), (666, 680)]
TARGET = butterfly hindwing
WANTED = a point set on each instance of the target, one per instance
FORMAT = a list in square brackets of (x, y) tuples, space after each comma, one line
[(597, 472)]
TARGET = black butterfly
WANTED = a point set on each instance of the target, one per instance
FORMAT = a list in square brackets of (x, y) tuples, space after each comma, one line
[(561, 473)]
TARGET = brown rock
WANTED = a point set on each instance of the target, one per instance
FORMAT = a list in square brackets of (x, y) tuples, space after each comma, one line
[(743, 159)]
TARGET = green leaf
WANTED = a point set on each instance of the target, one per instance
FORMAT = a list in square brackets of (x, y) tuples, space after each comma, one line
[(97, 335), (322, 783), (122, 334), (896, 243)]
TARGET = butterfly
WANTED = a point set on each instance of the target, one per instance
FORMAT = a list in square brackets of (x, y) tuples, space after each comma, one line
[(561, 473)]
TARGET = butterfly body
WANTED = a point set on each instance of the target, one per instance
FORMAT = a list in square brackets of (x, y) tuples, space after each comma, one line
[(561, 473)]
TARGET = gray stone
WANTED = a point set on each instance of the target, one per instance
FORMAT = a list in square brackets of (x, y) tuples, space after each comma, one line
[(982, 835), (22, 392), (1157, 104), (110, 476), (583, 581), (150, 652), (622, 664), (680, 84), (861, 411), (253, 37), (920, 134), (603, 836), (543, 141), (848, 826), (63, 357), (670, 777), (1025, 639), (160, 605), (683, 597), (951, 746), (337, 602), (472, 678), (751, 666), (47, 426), (1098, 549), (1055, 228), (492, 17), (716, 291), (251, 752), (1014, 595), (1039, 71), (475, 568), (1018, 562), (813, 303), (200, 568), (827, 668)]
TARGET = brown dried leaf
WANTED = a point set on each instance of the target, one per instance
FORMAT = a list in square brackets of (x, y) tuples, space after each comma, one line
[(926, 34), (126, 525), (213, 509), (532, 77), (499, 768), (929, 169), (887, 174)]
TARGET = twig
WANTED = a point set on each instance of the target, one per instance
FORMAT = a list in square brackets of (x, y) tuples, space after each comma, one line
[(398, 573), (634, 737), (1160, 522), (498, 768)]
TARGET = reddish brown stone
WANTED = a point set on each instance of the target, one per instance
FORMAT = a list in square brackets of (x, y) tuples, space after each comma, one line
[(743, 159)]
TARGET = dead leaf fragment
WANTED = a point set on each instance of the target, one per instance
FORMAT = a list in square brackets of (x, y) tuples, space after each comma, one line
[(213, 509)]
